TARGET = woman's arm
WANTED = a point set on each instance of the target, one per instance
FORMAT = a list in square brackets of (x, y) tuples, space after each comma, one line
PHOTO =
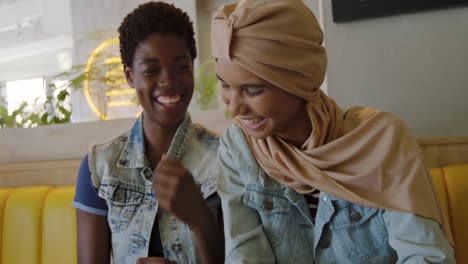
[(93, 233), (417, 239), (94, 244), (244, 237)]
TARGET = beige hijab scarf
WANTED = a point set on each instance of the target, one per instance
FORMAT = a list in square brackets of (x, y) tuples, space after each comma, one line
[(367, 157)]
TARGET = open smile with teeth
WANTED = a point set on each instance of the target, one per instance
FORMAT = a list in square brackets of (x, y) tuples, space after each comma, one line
[(252, 121), (168, 99)]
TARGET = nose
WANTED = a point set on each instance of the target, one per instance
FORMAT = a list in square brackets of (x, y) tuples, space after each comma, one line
[(234, 102), (166, 79)]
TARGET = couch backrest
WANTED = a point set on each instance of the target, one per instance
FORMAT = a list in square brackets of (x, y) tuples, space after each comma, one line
[(444, 151), (4, 193), (456, 180), (38, 225), (451, 184), (39, 173)]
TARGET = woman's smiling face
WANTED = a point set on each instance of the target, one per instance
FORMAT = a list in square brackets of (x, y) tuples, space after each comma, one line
[(263, 108), (162, 75)]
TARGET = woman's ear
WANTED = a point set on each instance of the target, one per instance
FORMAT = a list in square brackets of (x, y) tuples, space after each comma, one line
[(129, 76)]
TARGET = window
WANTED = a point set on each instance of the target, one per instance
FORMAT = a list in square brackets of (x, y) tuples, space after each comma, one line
[(30, 91)]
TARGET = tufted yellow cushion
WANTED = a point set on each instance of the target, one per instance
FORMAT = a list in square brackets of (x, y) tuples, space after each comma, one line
[(59, 227), (22, 225), (441, 189), (456, 179), (3, 198)]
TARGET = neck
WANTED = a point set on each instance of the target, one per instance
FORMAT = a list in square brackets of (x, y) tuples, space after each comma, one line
[(300, 130), (158, 139)]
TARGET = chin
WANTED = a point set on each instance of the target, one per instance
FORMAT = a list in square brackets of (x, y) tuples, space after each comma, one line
[(260, 135)]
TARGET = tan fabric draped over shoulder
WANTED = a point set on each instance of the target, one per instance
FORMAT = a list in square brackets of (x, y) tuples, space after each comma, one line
[(365, 156)]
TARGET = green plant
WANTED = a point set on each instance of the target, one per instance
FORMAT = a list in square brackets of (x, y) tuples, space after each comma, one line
[(17, 118), (206, 85), (75, 79), (53, 110)]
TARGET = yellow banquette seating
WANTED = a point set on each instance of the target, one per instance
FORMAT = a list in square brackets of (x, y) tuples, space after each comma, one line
[(451, 184), (38, 224)]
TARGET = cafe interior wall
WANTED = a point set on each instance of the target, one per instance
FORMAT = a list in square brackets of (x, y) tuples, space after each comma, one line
[(410, 64), (52, 35), (35, 38), (58, 34)]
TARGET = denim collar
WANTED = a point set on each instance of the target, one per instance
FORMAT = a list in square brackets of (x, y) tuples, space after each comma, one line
[(133, 154)]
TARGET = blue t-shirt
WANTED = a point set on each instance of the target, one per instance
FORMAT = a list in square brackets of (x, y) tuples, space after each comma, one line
[(88, 200)]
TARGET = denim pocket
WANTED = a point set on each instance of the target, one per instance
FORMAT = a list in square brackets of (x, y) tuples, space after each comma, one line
[(274, 210), (122, 201), (361, 233)]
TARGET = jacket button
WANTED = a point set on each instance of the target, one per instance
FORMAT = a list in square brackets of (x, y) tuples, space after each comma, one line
[(355, 216), (267, 205), (176, 248)]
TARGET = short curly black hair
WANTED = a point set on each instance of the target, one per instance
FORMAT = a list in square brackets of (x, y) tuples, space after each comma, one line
[(151, 18)]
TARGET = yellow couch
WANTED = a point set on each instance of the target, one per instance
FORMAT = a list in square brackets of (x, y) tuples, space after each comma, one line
[(451, 184), (37, 224)]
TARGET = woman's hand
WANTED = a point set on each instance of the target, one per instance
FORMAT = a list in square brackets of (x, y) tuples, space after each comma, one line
[(154, 260), (177, 193)]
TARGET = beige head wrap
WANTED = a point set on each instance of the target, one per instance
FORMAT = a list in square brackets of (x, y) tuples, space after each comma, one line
[(367, 157)]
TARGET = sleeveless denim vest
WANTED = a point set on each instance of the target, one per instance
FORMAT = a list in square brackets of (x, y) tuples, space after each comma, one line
[(122, 174)]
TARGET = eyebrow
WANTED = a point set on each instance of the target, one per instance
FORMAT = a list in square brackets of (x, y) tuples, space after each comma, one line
[(157, 60), (252, 85), (149, 60), (182, 57), (245, 85)]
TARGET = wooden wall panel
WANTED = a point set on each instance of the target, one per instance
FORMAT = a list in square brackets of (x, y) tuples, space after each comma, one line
[(438, 152), (59, 173)]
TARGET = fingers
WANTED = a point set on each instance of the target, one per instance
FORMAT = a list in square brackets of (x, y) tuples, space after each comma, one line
[(167, 163), (167, 175), (169, 172), (167, 181)]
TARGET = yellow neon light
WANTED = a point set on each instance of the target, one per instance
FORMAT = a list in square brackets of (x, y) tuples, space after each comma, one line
[(120, 103), (113, 73), (88, 67), (116, 82), (120, 92), (113, 60)]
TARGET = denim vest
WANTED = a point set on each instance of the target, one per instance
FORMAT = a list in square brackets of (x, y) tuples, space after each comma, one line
[(122, 174), (266, 222)]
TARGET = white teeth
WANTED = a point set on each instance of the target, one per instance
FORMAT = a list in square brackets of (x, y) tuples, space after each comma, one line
[(168, 99), (252, 121)]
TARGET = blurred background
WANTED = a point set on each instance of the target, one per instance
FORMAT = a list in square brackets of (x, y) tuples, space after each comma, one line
[(61, 75)]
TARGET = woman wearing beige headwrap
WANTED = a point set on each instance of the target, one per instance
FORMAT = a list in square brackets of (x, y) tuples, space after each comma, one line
[(304, 180)]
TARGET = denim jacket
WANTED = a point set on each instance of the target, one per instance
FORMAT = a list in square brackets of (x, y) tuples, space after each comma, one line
[(122, 174), (266, 222)]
